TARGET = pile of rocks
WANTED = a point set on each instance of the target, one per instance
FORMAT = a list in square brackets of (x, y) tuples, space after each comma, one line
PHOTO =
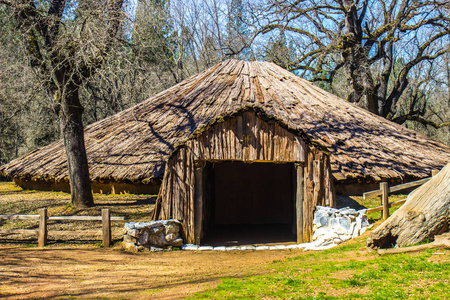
[(333, 226), (154, 235)]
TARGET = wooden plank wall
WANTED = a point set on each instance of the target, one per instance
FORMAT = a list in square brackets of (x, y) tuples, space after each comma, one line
[(176, 196), (318, 187), (248, 138)]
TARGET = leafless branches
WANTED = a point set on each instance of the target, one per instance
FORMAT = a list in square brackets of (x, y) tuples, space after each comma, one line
[(365, 40)]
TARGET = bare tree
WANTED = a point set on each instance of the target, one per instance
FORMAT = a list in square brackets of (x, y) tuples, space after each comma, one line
[(67, 41), (430, 94), (27, 120), (365, 41), (138, 69), (210, 31)]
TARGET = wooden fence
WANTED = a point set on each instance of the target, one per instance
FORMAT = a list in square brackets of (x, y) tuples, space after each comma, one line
[(385, 190), (42, 232)]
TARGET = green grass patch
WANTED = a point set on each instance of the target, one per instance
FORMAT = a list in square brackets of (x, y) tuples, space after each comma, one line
[(346, 272)]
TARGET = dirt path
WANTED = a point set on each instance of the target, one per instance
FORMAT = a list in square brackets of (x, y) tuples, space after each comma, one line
[(88, 272)]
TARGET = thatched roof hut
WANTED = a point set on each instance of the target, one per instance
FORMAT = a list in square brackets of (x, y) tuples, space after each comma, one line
[(133, 146), (242, 142)]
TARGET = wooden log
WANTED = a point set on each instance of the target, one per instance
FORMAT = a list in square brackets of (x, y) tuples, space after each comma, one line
[(441, 242), (308, 198), (425, 214), (198, 202), (385, 199), (74, 233), (42, 237), (190, 169), (19, 231), (84, 218), (396, 188), (319, 191), (299, 191), (19, 217), (380, 208), (106, 227), (408, 185), (329, 181)]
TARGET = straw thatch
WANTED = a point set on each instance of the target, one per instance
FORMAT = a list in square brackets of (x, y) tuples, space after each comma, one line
[(134, 145)]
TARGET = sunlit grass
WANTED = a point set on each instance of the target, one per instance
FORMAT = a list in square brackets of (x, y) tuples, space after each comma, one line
[(346, 272), (349, 271)]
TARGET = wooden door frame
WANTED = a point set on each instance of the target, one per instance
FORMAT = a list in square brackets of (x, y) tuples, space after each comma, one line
[(200, 190), (299, 195)]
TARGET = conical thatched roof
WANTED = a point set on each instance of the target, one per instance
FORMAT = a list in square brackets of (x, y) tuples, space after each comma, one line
[(134, 145)]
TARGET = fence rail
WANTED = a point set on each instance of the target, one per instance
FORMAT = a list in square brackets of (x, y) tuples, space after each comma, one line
[(396, 188), (380, 208), (42, 232), (385, 190)]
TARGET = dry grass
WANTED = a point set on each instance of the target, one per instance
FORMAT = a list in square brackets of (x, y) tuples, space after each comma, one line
[(84, 270), (87, 272), (14, 200)]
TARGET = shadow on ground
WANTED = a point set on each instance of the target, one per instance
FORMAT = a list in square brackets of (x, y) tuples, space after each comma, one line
[(346, 201)]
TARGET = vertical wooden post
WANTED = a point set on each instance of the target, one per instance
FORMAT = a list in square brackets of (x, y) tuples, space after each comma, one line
[(294, 199), (434, 172), (106, 227), (42, 238), (385, 199), (299, 190), (198, 202), (308, 195)]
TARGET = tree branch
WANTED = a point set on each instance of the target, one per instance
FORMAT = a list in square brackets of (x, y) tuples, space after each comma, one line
[(50, 30), (420, 119), (270, 27)]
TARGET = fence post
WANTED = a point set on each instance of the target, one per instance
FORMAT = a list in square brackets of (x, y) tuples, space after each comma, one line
[(42, 238), (434, 172), (385, 199), (106, 226)]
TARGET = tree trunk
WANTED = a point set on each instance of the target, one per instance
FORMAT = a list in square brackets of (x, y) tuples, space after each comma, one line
[(426, 213), (384, 108), (73, 134)]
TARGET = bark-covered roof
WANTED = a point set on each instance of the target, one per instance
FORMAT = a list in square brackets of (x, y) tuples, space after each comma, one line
[(134, 144)]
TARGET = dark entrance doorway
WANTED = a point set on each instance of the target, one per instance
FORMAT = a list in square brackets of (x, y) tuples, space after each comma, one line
[(251, 203)]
